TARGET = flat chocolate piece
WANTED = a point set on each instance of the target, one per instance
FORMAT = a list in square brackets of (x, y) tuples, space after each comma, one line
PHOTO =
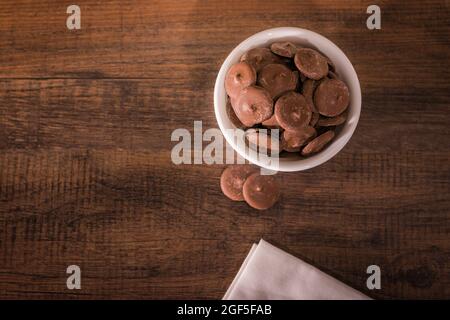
[(233, 178), (314, 119), (309, 86), (318, 143), (271, 123), (277, 79), (331, 97), (292, 111), (311, 63), (258, 58), (285, 49), (254, 105), (261, 192), (232, 115), (240, 76), (293, 140), (332, 122), (261, 141)]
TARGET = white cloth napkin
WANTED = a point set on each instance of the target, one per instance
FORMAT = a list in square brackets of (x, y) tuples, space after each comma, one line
[(269, 273)]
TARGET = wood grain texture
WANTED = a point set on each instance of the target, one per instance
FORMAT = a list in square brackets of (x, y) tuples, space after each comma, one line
[(85, 170)]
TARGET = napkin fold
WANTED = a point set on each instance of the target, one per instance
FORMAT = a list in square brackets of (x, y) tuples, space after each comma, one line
[(269, 273)]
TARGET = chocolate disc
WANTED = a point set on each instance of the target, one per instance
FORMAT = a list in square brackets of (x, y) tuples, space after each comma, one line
[(331, 122), (260, 141), (285, 49), (253, 106), (311, 63), (293, 140), (309, 86), (258, 58), (240, 76), (261, 192), (233, 178), (331, 97), (314, 119), (271, 123), (232, 115), (292, 111), (277, 79), (318, 143)]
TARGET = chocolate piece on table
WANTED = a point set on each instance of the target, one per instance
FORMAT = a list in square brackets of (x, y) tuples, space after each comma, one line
[(240, 76), (292, 111), (253, 106), (331, 97), (311, 63), (261, 192), (233, 178)]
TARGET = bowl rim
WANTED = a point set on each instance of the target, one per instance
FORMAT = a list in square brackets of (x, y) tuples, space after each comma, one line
[(300, 164)]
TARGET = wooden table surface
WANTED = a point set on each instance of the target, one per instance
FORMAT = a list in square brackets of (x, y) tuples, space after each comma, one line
[(86, 176)]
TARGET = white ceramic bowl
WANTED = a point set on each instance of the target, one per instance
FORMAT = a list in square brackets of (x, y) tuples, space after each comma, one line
[(343, 67)]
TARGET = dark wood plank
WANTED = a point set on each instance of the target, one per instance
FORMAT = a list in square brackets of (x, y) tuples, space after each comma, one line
[(140, 226), (141, 114), (85, 170), (157, 39)]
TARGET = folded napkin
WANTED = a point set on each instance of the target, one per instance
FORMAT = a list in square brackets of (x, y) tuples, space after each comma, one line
[(269, 273)]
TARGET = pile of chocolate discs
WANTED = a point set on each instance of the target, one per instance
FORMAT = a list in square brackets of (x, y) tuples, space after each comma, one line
[(290, 88), (286, 87)]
